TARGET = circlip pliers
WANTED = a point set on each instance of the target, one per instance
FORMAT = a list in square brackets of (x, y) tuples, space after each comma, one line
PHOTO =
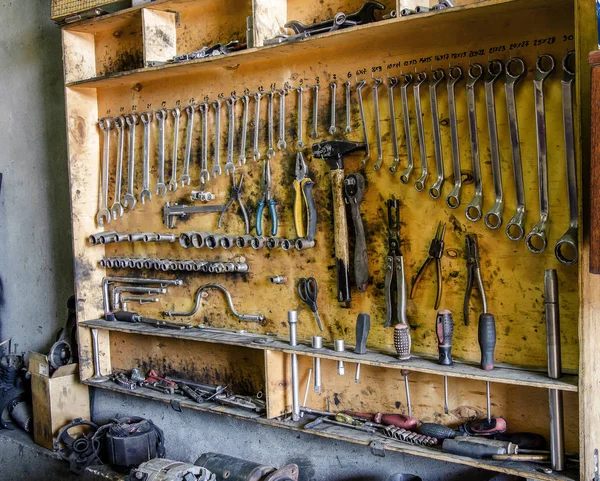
[(473, 275), (436, 250)]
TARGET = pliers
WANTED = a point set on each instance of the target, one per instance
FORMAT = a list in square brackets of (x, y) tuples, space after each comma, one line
[(266, 200), (473, 275), (304, 202), (436, 250), (236, 194), (394, 269)]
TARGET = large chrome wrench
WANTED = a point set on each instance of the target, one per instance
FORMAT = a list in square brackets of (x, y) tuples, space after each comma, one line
[(230, 166), (420, 182), (393, 82), (246, 106), (300, 142), (537, 239), (377, 165), (453, 200), (406, 81), (514, 70), (255, 150), (474, 210), (187, 155), (204, 173), (281, 143), (566, 249), (103, 215), (129, 200), (161, 188), (117, 209), (363, 121), (435, 191), (270, 149), (216, 168), (332, 126), (493, 219), (176, 112), (146, 118)]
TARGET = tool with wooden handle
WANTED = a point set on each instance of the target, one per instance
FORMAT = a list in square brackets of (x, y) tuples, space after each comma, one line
[(354, 187)]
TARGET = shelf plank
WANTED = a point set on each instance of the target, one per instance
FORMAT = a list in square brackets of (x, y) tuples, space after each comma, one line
[(527, 470), (502, 375)]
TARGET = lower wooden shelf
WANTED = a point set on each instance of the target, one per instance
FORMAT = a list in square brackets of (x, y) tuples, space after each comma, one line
[(527, 470)]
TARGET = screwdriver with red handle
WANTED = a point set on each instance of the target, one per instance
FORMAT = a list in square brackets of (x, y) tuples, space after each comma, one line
[(389, 419)]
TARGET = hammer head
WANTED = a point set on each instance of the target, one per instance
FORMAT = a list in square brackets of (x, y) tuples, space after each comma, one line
[(335, 150)]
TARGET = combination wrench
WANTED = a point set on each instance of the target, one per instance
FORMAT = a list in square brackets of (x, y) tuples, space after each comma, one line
[(255, 151), (537, 239), (216, 168), (117, 209), (360, 85), (566, 249), (270, 150), (393, 82), (281, 143), (455, 74), (406, 81), (420, 182), (129, 200), (348, 128), (493, 219), (230, 166), (103, 215), (204, 173), (514, 70), (176, 112), (474, 210), (315, 126), (332, 126), (377, 165), (246, 107), (146, 118), (161, 188), (187, 155), (300, 142), (435, 191)]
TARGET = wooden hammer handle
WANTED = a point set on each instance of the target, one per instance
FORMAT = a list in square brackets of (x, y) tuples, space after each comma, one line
[(340, 232)]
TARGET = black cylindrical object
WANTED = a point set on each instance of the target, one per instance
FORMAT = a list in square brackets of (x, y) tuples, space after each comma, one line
[(487, 340), (131, 441), (475, 447), (438, 431), (235, 469), (444, 328)]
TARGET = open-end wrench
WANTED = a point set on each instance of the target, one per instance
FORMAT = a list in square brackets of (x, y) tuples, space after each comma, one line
[(315, 123), (161, 188), (348, 128), (246, 106), (406, 81), (514, 70), (204, 174), (474, 210), (176, 116), (420, 182), (146, 118), (187, 155), (566, 250), (454, 75), (493, 219), (435, 191), (117, 209), (255, 151), (300, 142), (377, 165), (103, 215), (332, 127), (129, 200), (270, 149), (360, 85), (393, 82), (216, 168), (537, 239), (281, 143), (230, 166)]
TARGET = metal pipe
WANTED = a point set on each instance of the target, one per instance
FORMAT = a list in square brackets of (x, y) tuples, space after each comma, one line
[(293, 321), (98, 377), (317, 343)]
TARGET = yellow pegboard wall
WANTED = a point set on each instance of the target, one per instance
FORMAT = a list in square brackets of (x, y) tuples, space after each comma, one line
[(63, 8)]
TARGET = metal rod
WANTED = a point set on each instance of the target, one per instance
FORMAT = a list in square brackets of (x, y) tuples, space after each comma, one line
[(293, 321), (446, 394), (338, 346), (317, 343), (98, 377), (488, 402), (407, 389)]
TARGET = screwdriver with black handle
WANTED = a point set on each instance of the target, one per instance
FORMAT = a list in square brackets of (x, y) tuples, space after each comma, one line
[(444, 329)]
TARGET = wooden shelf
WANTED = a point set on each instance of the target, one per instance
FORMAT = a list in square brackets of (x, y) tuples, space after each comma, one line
[(502, 375), (527, 470)]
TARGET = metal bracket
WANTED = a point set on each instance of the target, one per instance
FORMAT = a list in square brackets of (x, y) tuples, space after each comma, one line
[(377, 449), (176, 405)]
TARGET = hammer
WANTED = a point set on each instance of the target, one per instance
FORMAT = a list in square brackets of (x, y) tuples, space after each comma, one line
[(334, 151)]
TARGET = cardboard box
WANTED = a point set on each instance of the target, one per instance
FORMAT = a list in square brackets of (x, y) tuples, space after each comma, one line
[(57, 399)]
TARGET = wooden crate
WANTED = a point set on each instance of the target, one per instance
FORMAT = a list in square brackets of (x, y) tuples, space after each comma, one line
[(513, 277)]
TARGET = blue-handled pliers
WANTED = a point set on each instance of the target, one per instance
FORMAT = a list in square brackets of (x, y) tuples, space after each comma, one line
[(266, 200)]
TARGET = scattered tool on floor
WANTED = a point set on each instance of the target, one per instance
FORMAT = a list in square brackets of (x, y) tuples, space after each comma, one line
[(436, 250)]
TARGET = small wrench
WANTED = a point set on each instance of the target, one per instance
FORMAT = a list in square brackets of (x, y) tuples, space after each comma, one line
[(204, 174), (473, 212), (146, 118), (569, 238), (281, 143), (161, 188), (255, 151), (537, 239), (216, 169), (187, 156), (348, 107), (493, 219), (393, 82), (436, 189), (406, 81), (332, 127), (103, 215), (360, 85), (176, 116), (129, 200), (246, 106), (315, 126), (377, 165), (420, 182), (300, 142), (454, 75), (270, 150), (117, 209), (515, 229), (230, 166)]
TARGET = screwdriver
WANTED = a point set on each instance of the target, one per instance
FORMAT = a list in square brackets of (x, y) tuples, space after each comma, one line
[(407, 389), (444, 328), (363, 325), (388, 419)]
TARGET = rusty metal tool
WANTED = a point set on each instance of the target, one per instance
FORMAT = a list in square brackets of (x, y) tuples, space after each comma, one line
[(354, 187)]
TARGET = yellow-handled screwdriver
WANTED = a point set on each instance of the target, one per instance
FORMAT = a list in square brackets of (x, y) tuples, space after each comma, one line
[(304, 202)]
